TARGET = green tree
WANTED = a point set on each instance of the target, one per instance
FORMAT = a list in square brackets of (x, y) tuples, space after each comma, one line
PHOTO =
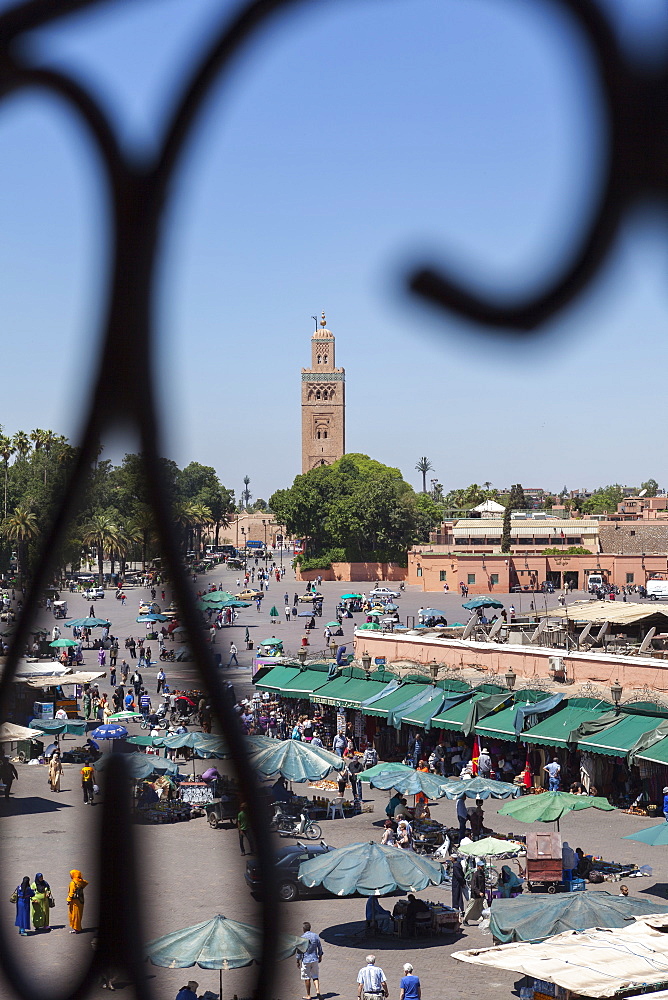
[(651, 487), (102, 532), (6, 452), (21, 443), (423, 466), (516, 501), (603, 500), (21, 527)]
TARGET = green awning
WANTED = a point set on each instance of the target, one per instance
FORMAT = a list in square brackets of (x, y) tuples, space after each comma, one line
[(555, 730), (618, 739), (423, 715), (501, 725), (304, 684), (658, 754), (347, 692), (454, 718), (276, 678), (391, 702)]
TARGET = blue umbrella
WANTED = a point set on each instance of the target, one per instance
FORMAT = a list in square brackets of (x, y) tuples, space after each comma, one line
[(110, 731), (431, 612)]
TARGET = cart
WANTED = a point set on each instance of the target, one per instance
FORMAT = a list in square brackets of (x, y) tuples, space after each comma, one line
[(544, 864), (222, 810), (29, 750)]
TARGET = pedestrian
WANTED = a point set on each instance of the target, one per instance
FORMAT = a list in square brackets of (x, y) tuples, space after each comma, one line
[(370, 757), (145, 703), (409, 985), (286, 598), (212, 634), (309, 961), (125, 670), (189, 992), (75, 900), (287, 613), (460, 891), (371, 981), (243, 827), (112, 673), (354, 767), (8, 774), (161, 677), (22, 896), (55, 771), (233, 655), (92, 611), (665, 803), (42, 901), (87, 781), (339, 744), (484, 764), (137, 683), (475, 904), (553, 770)]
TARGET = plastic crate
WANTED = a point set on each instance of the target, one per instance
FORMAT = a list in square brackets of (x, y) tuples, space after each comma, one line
[(577, 885)]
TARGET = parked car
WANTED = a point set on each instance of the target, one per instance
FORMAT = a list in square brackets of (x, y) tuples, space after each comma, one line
[(146, 608), (383, 592), (249, 595), (288, 860), (94, 593)]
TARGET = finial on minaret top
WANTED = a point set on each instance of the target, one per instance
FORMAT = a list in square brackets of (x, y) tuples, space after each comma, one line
[(323, 321)]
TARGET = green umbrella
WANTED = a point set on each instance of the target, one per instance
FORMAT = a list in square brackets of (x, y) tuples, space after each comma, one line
[(76, 727), (271, 642), (384, 768), (88, 623), (333, 625), (296, 761), (125, 716), (551, 806), (370, 627), (274, 611), (655, 836), (219, 943), (63, 642), (140, 765), (482, 602), (409, 783), (490, 847), (370, 869), (481, 788), (215, 596), (141, 740), (346, 597)]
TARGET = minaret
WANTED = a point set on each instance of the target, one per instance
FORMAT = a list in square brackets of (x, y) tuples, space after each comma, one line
[(323, 403)]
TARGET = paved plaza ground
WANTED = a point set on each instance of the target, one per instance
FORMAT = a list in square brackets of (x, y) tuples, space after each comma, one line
[(189, 872)]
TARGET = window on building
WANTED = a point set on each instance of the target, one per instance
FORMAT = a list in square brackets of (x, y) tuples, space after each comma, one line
[(419, 571), (574, 540), (324, 434), (542, 541), (442, 575), (629, 577), (494, 579), (492, 541), (318, 359), (324, 359), (317, 395), (461, 541), (470, 578), (524, 541), (632, 533), (318, 435)]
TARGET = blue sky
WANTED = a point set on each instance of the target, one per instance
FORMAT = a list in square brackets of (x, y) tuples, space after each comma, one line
[(352, 140)]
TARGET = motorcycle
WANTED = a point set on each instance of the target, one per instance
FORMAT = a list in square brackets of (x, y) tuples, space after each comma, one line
[(155, 720), (167, 654), (290, 826)]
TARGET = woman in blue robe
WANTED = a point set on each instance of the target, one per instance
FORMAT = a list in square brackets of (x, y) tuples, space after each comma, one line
[(23, 895)]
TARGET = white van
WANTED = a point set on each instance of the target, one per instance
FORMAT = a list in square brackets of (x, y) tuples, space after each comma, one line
[(594, 583), (657, 590)]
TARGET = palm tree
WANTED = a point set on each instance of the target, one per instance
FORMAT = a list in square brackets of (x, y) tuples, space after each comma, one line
[(246, 493), (6, 451), (21, 443), (21, 527), (102, 532), (143, 525), (202, 517), (185, 516), (424, 466)]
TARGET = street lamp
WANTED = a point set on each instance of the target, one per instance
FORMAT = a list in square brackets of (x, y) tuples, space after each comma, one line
[(366, 665), (510, 679), (264, 525), (301, 656), (243, 537), (616, 692), (333, 646), (279, 540), (433, 670)]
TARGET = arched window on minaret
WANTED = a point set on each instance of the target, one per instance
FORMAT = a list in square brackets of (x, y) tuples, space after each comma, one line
[(324, 394), (324, 359), (317, 395)]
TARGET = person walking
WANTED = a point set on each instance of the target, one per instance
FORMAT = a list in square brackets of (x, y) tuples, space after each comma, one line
[(161, 677), (459, 890), (75, 900), (462, 815), (22, 896), (409, 987), (309, 961), (55, 771), (87, 781), (136, 683), (371, 981), (243, 827), (475, 904), (233, 655), (8, 774), (339, 744), (42, 901)]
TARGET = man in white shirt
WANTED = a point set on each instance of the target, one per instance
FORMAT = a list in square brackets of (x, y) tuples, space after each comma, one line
[(371, 981), (554, 772)]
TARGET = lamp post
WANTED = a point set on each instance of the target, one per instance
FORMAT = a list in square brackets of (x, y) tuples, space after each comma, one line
[(366, 665), (333, 646), (279, 540), (264, 525), (301, 656), (433, 670), (243, 536), (510, 679), (616, 692)]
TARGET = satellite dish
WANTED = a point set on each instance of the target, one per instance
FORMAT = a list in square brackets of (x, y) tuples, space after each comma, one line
[(584, 633), (642, 493), (470, 625), (496, 628), (539, 631), (602, 631), (647, 641)]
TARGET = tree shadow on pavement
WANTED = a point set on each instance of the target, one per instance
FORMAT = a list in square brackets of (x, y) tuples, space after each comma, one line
[(353, 934), (30, 805)]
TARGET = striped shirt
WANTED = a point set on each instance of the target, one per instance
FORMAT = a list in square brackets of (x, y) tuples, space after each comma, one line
[(372, 978)]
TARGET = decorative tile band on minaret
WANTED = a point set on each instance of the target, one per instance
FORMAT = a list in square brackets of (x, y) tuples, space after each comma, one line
[(323, 403)]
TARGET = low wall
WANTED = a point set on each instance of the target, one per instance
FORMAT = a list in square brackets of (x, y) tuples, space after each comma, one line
[(526, 661), (370, 572)]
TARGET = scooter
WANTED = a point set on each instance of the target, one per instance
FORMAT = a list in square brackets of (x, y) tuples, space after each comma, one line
[(288, 826)]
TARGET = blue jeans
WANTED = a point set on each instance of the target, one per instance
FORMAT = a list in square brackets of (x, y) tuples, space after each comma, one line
[(233, 657), (554, 784)]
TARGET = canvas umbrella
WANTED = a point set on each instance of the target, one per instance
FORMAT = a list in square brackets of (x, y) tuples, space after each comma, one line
[(219, 943), (413, 783), (551, 806), (126, 717), (56, 727), (490, 847), (10, 733), (481, 788), (349, 597), (655, 836), (370, 869), (274, 611), (214, 596), (109, 731), (153, 617), (482, 602), (61, 643), (140, 765), (370, 627), (296, 761), (384, 768), (88, 623)]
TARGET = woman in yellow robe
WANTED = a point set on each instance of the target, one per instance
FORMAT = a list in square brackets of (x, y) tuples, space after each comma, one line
[(75, 900)]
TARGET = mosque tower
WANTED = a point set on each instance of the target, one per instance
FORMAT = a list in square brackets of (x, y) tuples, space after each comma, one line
[(323, 403)]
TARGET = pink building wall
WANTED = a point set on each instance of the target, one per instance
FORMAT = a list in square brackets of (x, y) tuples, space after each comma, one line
[(357, 572)]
